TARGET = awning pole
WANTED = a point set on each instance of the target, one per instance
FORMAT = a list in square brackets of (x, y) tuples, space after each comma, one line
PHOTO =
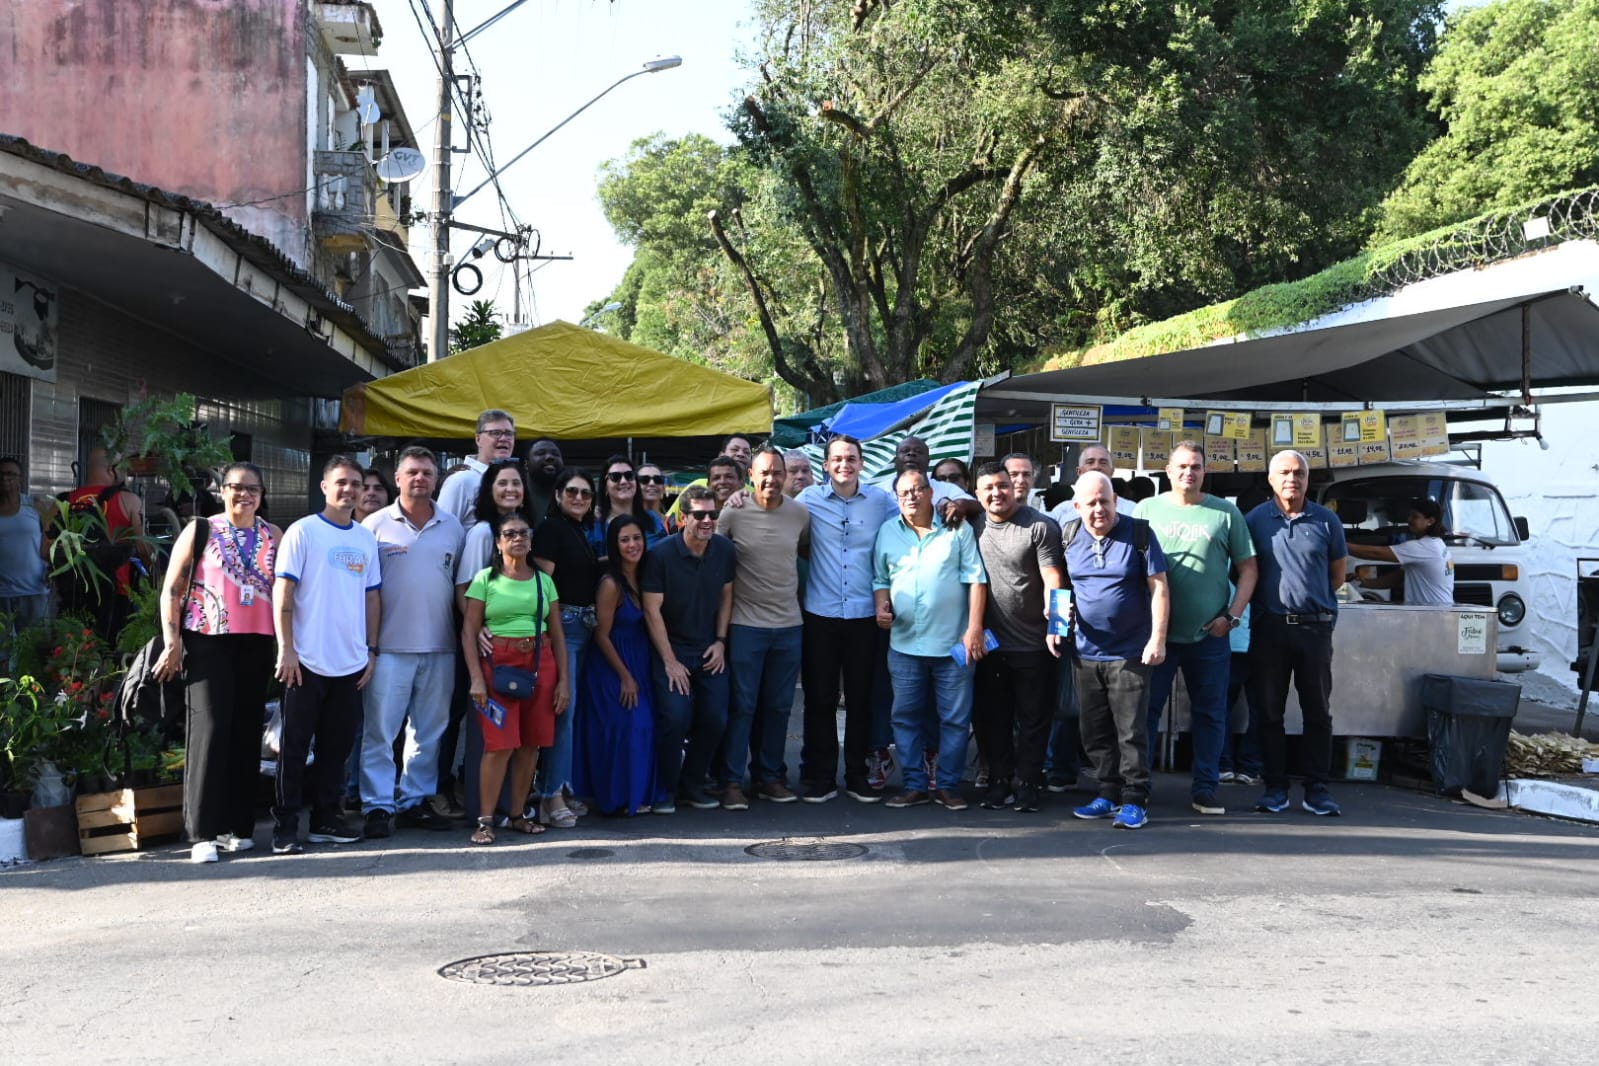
[(1526, 354)]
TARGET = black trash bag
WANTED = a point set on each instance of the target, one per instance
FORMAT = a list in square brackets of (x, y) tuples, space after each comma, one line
[(1468, 730)]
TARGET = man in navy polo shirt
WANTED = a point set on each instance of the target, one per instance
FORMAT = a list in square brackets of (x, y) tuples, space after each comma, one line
[(1121, 606), (688, 605), (1301, 549)]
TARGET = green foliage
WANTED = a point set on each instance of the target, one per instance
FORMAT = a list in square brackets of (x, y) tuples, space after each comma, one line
[(1516, 85), (481, 325), (164, 433)]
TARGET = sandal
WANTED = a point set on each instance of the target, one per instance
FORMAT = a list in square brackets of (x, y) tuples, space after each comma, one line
[(525, 825), (559, 817), (484, 833)]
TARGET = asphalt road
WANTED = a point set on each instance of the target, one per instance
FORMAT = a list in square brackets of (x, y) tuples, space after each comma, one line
[(1412, 929)]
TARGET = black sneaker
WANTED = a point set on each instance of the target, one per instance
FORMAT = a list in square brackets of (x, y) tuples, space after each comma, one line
[(818, 791), (333, 831), (1060, 782), (862, 792), (1027, 798), (378, 825), (1207, 803), (996, 796), (286, 846), (421, 817)]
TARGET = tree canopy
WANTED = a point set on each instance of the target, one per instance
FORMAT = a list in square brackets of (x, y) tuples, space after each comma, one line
[(1516, 86), (943, 187)]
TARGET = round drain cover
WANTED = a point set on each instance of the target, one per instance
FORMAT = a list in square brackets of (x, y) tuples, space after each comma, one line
[(538, 968), (805, 850)]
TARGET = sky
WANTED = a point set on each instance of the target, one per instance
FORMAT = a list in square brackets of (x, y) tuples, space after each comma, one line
[(539, 64)]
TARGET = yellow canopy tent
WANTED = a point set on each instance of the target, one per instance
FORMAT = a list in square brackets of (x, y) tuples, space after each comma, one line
[(560, 381)]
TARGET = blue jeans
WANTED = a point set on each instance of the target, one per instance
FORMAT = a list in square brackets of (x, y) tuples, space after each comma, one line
[(1063, 758), (925, 686), (555, 761), (408, 691), (1205, 665), (700, 718), (763, 665)]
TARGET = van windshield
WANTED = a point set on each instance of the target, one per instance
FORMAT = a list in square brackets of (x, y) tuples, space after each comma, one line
[(1471, 508)]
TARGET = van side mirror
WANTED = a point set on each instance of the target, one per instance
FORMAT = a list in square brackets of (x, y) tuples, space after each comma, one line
[(1521, 528)]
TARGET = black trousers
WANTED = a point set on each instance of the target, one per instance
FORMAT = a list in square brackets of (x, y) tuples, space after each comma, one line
[(1013, 707), (225, 686), (327, 710), (1115, 724), (834, 647), (1278, 653)]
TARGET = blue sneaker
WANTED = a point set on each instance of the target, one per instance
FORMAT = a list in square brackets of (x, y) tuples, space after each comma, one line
[(1129, 816), (1320, 801), (1272, 801), (1100, 808)]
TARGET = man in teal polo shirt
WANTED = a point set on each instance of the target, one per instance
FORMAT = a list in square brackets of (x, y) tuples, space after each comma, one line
[(930, 589)]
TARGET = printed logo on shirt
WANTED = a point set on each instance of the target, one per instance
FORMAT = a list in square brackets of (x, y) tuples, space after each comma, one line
[(351, 560), (389, 551)]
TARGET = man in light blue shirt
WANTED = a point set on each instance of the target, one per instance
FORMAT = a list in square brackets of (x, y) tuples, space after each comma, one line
[(930, 591), (839, 635)]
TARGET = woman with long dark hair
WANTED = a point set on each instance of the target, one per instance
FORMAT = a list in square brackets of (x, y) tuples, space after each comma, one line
[(502, 491), (561, 548), (216, 619), (521, 688), (652, 493), (614, 750), (620, 495)]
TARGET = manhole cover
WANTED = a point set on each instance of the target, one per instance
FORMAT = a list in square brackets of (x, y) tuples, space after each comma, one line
[(590, 853), (805, 850), (538, 968)]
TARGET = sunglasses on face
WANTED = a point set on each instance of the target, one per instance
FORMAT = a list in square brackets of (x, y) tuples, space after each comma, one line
[(516, 534), (703, 516), (651, 479), (618, 476), (578, 494)]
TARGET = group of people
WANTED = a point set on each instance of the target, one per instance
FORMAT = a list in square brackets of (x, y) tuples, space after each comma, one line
[(547, 637)]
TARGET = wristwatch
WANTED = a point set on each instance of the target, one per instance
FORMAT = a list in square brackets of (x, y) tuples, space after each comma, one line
[(1233, 621)]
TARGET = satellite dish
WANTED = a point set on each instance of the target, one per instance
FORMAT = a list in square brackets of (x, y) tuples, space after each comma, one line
[(402, 164), (368, 113)]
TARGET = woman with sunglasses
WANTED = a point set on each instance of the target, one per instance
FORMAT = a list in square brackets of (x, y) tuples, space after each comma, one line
[(621, 496), (614, 759), (216, 616), (562, 549), (652, 491), (521, 688)]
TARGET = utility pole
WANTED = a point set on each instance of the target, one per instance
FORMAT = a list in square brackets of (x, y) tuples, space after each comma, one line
[(439, 268)]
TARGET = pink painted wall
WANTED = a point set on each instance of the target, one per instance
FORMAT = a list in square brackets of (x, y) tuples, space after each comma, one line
[(200, 97)]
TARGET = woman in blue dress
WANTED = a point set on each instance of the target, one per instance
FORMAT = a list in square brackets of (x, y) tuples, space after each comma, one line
[(615, 743)]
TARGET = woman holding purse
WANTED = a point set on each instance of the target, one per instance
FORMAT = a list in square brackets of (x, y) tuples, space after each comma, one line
[(522, 685)]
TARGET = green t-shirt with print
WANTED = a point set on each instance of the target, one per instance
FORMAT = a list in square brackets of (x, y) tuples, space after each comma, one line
[(1202, 542), (510, 607)]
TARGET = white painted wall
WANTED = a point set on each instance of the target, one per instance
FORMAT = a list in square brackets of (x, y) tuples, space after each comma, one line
[(1558, 492)]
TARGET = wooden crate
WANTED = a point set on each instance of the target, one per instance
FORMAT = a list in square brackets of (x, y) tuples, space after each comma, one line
[(129, 818)]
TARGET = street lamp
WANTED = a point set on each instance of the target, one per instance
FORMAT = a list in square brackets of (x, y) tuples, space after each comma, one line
[(614, 305)]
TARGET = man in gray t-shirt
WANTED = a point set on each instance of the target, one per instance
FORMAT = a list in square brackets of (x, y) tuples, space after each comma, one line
[(763, 651), (1015, 692)]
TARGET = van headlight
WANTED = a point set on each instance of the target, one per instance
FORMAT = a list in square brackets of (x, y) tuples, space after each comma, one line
[(1511, 610)]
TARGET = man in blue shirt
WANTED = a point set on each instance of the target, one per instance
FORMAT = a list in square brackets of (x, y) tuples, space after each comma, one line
[(1302, 550), (839, 634), (930, 590), (1120, 607)]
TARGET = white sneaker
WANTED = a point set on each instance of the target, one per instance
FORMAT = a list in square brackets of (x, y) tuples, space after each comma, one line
[(230, 843), (204, 851)]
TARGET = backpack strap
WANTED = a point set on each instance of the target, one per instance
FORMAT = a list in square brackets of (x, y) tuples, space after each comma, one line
[(1068, 533)]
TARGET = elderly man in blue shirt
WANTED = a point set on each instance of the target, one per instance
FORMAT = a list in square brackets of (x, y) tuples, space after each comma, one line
[(930, 591)]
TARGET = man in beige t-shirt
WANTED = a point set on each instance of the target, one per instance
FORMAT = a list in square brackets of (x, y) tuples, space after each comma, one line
[(763, 652)]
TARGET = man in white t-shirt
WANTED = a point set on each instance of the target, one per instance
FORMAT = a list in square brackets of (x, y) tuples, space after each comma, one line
[(418, 546), (496, 439), (325, 612), (1425, 568)]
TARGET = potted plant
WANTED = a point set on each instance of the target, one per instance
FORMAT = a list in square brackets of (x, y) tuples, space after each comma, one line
[(26, 723), (171, 445)]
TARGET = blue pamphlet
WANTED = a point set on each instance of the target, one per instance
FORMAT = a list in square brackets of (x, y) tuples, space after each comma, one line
[(958, 652), (1060, 612), (494, 711)]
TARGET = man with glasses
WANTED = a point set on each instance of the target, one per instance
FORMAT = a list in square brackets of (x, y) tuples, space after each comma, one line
[(496, 439), (840, 636), (687, 586), (765, 638), (1120, 604), (414, 670), (929, 591)]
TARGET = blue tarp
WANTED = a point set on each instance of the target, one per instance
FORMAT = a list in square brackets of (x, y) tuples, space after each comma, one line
[(863, 421)]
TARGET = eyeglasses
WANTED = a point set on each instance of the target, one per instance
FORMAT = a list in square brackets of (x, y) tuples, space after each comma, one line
[(912, 493), (498, 434), (616, 476), (516, 534), (651, 479), (703, 516), (578, 494), (242, 489)]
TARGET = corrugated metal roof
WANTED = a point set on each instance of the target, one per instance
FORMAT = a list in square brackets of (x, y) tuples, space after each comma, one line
[(260, 251)]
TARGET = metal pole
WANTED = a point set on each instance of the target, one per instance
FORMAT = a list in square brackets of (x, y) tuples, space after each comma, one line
[(439, 268)]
